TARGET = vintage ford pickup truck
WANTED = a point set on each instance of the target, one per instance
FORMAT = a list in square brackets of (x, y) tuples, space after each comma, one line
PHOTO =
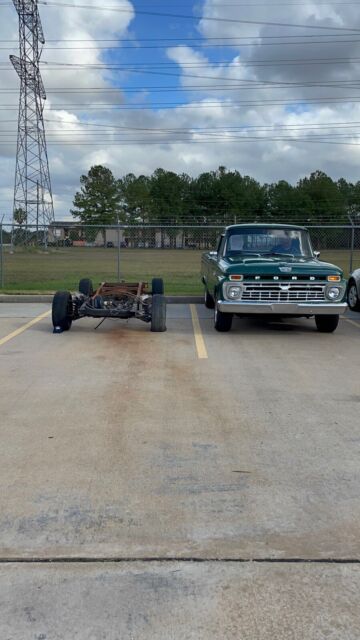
[(271, 269)]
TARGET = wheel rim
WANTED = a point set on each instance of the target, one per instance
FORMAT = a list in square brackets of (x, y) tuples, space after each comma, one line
[(353, 297)]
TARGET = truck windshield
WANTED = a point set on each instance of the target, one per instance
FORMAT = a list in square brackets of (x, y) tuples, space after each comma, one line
[(269, 242)]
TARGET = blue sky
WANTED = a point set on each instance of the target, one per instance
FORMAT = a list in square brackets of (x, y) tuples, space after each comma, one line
[(151, 37)]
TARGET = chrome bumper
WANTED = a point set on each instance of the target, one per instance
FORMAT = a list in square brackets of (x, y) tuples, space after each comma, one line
[(283, 308)]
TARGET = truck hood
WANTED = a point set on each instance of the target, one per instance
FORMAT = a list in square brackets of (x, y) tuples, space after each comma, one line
[(277, 265)]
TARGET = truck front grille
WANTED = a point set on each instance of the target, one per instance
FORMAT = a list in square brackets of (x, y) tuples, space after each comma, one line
[(266, 292)]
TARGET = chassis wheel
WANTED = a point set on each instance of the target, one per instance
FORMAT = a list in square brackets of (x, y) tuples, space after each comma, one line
[(62, 310), (98, 302), (157, 286), (158, 313), (86, 287), (222, 321), (208, 300), (326, 324), (353, 296)]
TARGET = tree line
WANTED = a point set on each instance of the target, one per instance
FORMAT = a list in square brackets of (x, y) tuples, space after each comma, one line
[(216, 197)]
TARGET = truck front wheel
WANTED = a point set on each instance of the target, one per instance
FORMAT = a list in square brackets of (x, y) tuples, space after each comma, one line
[(86, 287), (157, 286), (158, 313), (326, 324), (222, 321), (62, 311), (208, 300)]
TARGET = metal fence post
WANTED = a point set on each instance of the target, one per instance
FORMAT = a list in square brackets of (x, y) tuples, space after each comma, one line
[(352, 244), (118, 251), (2, 279)]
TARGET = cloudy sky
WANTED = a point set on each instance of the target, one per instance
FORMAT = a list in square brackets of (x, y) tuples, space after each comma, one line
[(270, 88)]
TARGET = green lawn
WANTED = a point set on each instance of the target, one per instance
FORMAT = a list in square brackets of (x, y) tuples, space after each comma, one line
[(28, 271)]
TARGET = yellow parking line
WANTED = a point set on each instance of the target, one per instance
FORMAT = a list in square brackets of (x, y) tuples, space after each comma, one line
[(199, 339), (23, 328), (356, 324)]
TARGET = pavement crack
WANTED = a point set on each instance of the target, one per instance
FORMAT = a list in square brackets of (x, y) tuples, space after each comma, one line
[(168, 559)]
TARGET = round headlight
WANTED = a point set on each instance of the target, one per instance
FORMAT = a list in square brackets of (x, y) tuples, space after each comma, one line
[(333, 293), (234, 292)]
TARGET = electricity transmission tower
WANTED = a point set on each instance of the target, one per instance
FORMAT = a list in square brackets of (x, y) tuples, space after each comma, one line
[(33, 201)]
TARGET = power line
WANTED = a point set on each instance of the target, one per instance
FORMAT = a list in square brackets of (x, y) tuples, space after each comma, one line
[(202, 44), (241, 128), (170, 106), (221, 39), (196, 17), (109, 129), (206, 103), (247, 85), (136, 142), (305, 124), (244, 4), (75, 136), (229, 65)]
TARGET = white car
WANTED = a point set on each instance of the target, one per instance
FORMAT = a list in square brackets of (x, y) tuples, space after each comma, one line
[(353, 291)]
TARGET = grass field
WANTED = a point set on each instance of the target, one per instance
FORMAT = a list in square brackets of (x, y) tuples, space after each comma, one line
[(62, 268), (30, 271)]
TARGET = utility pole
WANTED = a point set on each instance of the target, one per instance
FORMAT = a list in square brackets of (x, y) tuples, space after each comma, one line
[(32, 190)]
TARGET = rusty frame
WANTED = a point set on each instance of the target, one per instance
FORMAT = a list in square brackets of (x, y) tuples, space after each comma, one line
[(119, 289)]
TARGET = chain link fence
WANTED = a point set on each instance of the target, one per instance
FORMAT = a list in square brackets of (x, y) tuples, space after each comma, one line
[(48, 258)]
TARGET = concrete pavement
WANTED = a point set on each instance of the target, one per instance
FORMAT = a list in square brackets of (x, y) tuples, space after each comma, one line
[(179, 601), (123, 444)]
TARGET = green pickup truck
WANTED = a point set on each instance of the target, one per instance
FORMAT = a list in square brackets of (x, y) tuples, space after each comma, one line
[(271, 269)]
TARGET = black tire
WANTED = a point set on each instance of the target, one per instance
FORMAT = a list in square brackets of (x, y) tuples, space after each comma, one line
[(62, 310), (326, 324), (353, 298), (158, 313), (157, 286), (208, 300), (86, 287), (222, 321), (98, 302)]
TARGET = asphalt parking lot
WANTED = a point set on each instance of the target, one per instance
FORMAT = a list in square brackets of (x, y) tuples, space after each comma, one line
[(184, 485)]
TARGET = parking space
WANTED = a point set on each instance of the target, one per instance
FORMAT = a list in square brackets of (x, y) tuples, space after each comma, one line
[(263, 427), (122, 444), (14, 317)]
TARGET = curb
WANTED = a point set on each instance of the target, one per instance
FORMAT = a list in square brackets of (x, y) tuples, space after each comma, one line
[(48, 299), (25, 298)]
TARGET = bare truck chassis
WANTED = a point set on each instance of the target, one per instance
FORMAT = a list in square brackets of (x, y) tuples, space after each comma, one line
[(111, 300)]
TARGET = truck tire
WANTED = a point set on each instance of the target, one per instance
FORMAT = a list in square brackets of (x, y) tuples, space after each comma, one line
[(222, 321), (326, 324), (157, 286), (158, 313), (98, 302), (208, 300), (353, 296), (62, 310), (86, 287)]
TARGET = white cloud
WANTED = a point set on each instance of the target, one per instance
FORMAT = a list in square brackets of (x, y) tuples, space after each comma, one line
[(207, 108)]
